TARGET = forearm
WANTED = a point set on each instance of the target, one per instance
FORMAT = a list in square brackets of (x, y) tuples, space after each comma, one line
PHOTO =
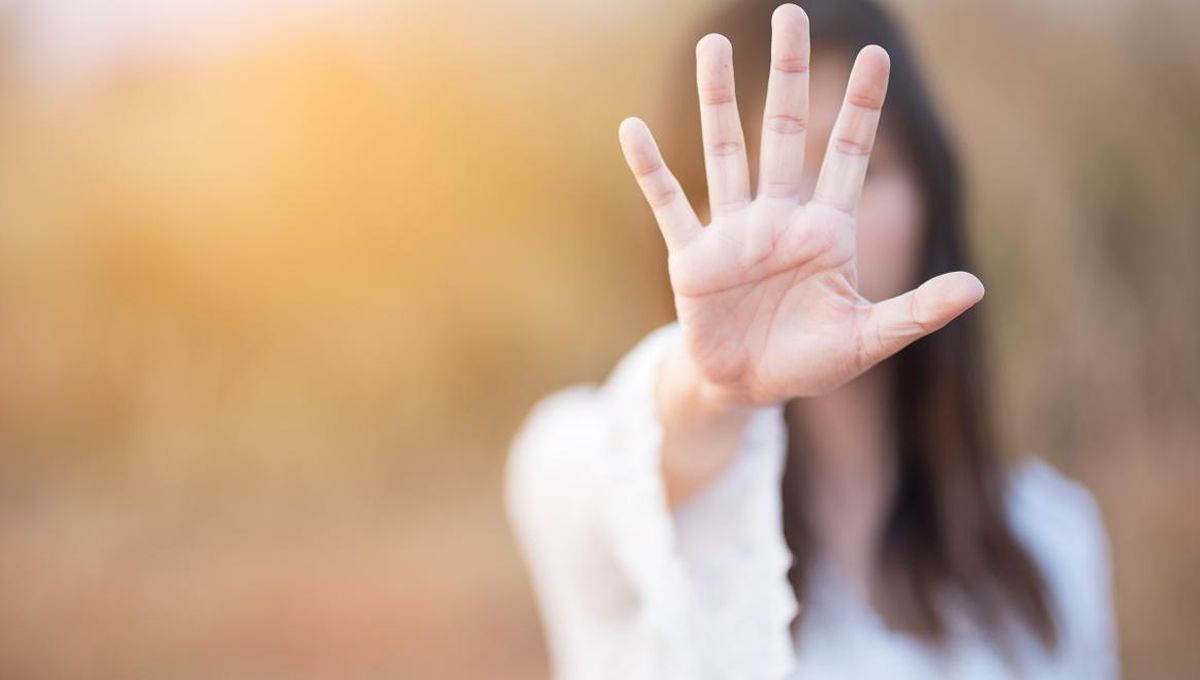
[(702, 431)]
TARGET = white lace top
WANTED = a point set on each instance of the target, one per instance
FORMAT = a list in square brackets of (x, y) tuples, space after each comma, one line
[(629, 589)]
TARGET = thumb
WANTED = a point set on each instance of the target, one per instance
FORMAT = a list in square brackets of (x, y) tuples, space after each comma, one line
[(896, 322)]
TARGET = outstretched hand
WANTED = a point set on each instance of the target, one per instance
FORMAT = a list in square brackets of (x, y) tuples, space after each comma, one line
[(767, 293)]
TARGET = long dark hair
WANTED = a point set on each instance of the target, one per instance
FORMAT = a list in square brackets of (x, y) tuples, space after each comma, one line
[(946, 532)]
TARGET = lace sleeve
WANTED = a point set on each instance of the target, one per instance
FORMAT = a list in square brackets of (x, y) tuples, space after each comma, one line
[(716, 569), (708, 581)]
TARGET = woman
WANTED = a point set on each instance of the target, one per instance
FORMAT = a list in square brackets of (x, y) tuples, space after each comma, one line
[(784, 483)]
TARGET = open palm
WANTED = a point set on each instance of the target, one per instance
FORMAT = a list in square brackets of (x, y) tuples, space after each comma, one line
[(767, 293)]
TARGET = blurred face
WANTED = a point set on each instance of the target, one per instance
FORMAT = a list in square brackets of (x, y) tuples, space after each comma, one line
[(891, 216)]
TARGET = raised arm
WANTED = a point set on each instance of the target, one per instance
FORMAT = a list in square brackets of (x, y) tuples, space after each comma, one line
[(767, 294)]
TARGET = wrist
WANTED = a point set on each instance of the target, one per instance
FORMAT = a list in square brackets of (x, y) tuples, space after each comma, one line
[(703, 426), (684, 387)]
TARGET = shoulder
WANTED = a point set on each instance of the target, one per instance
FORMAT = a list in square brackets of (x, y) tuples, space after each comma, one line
[(1061, 525), (1051, 512)]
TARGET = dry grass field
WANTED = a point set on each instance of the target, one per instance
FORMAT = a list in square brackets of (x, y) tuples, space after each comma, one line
[(271, 310)]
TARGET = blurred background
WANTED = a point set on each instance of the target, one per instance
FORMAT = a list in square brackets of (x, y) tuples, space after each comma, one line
[(279, 280)]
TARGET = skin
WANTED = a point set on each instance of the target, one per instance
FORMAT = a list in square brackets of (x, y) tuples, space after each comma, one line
[(770, 300)]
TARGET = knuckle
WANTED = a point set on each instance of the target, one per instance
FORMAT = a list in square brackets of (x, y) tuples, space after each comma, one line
[(921, 322), (790, 64), (786, 124), (647, 168), (725, 147), (716, 94), (866, 98), (852, 147), (661, 197)]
